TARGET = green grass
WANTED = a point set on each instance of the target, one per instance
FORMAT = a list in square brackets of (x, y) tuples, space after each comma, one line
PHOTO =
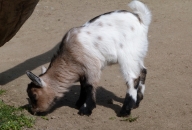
[(45, 118), (112, 118), (130, 119), (12, 118), (2, 91)]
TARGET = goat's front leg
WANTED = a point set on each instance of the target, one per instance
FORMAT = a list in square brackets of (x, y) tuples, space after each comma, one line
[(130, 98), (83, 93), (87, 98)]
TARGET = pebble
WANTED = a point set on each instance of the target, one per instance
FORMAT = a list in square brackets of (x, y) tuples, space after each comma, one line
[(53, 117)]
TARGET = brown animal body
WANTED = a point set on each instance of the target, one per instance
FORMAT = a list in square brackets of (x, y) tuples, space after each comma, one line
[(13, 14)]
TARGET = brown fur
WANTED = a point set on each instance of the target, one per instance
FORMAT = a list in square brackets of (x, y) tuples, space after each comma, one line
[(143, 75), (70, 63), (132, 28), (109, 24), (40, 98), (121, 45), (99, 38), (88, 33)]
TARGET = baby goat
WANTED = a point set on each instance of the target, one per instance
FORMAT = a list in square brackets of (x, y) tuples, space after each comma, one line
[(114, 37)]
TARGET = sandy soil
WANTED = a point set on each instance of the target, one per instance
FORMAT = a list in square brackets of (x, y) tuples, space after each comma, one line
[(167, 102)]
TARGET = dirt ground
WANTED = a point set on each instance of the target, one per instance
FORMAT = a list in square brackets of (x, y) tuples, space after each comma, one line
[(167, 102)]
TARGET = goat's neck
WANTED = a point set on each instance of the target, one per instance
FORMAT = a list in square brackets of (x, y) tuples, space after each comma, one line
[(62, 74)]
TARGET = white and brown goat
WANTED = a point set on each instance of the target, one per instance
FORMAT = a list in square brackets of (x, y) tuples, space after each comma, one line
[(114, 37)]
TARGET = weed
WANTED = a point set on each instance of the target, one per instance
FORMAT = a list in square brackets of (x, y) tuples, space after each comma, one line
[(2, 91), (44, 117), (112, 118), (12, 118), (130, 119)]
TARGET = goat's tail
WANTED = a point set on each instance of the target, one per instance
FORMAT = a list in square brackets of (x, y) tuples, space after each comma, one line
[(142, 11)]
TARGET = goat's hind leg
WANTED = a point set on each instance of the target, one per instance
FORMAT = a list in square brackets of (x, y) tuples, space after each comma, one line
[(131, 97), (141, 87)]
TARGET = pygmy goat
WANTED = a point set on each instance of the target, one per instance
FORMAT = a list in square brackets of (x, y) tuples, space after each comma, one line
[(114, 37)]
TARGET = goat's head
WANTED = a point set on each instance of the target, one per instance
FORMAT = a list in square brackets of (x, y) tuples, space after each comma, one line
[(41, 96)]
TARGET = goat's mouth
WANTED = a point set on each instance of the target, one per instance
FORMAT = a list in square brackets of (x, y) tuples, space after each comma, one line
[(35, 110), (30, 107), (38, 112)]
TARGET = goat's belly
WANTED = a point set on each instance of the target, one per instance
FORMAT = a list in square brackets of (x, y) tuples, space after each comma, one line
[(108, 54), (111, 59)]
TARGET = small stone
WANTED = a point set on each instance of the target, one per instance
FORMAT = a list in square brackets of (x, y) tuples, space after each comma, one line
[(53, 117)]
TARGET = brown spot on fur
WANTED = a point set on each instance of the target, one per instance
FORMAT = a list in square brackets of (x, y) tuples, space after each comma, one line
[(99, 38), (136, 83), (96, 45), (132, 28), (143, 75), (100, 24), (109, 24), (121, 45), (124, 35), (88, 33)]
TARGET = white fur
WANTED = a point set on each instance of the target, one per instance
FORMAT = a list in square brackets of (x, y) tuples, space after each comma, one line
[(142, 87), (116, 37), (122, 39), (142, 10), (133, 93), (43, 83), (43, 69), (85, 105)]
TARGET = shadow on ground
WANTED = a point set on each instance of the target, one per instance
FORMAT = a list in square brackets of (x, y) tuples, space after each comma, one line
[(30, 64), (70, 98)]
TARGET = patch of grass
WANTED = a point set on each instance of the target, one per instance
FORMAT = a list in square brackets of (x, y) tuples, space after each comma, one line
[(112, 118), (130, 119), (45, 118), (2, 91), (12, 118)]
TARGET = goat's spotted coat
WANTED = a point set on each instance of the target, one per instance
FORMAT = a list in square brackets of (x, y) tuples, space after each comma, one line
[(114, 37)]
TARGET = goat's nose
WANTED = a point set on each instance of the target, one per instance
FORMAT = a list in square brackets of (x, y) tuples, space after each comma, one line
[(33, 111)]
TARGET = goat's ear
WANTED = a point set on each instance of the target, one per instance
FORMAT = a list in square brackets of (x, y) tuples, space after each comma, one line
[(35, 79), (43, 69)]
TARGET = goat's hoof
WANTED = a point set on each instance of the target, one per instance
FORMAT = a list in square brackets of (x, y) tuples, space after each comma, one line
[(84, 111), (124, 113), (136, 105), (79, 103)]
